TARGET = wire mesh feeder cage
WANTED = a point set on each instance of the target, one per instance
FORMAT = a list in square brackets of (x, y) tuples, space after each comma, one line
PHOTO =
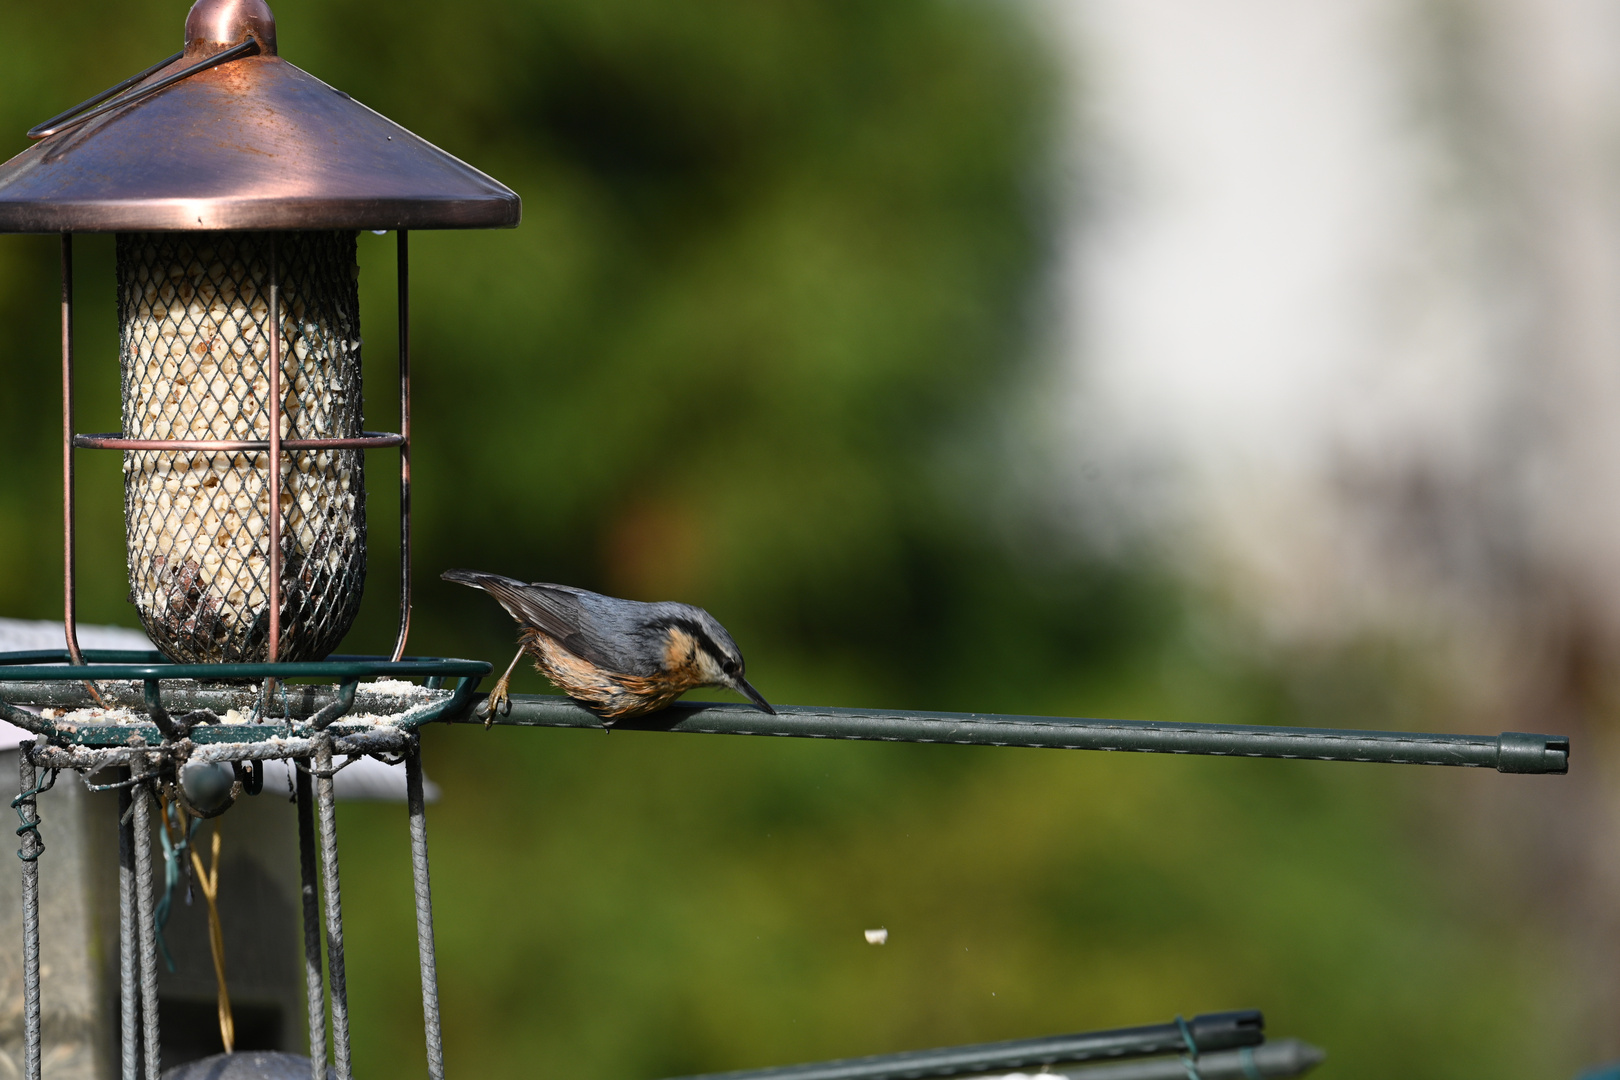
[(195, 351), (235, 185)]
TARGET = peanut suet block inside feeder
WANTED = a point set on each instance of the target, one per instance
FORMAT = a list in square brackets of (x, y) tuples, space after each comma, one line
[(194, 311)]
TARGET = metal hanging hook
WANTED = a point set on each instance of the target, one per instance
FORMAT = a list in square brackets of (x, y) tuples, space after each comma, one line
[(92, 108)]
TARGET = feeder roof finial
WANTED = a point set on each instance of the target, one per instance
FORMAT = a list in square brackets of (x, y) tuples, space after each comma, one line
[(213, 25)]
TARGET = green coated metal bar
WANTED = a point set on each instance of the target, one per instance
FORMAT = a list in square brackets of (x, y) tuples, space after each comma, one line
[(1213, 1031), (1280, 1058), (1510, 752), (93, 735), (28, 721), (43, 665), (296, 701)]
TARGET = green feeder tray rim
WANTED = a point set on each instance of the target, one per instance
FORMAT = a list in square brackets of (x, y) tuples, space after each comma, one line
[(391, 717)]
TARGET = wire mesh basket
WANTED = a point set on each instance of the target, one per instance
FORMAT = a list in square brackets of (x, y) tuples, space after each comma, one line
[(194, 312)]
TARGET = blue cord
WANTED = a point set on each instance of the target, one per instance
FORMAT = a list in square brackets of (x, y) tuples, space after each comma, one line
[(172, 853), (1189, 1060)]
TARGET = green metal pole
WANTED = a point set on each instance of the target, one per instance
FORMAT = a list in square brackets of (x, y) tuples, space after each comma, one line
[(1511, 752), (1210, 1032), (1282, 1058)]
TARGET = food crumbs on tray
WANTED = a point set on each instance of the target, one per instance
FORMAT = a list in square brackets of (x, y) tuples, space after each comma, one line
[(99, 716), (370, 719), (393, 687)]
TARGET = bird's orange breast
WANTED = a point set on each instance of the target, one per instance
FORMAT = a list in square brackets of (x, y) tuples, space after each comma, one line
[(612, 695)]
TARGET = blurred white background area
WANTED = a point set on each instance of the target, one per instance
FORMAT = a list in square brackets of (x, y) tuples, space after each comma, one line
[(1340, 306)]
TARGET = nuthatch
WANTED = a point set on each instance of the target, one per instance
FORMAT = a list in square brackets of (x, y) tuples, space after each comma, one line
[(618, 658)]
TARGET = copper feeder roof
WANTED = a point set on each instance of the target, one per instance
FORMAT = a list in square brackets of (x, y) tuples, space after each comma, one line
[(253, 143)]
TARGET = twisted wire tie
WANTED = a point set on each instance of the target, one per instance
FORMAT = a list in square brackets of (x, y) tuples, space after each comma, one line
[(32, 826), (327, 774)]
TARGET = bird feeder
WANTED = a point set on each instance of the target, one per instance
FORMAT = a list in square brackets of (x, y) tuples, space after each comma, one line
[(236, 185)]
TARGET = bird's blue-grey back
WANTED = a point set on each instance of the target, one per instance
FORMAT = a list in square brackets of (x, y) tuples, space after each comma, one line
[(627, 636)]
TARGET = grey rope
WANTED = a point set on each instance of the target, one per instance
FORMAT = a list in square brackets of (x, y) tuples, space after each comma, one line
[(326, 811), (312, 925), (424, 907), (128, 1011), (28, 811), (147, 928)]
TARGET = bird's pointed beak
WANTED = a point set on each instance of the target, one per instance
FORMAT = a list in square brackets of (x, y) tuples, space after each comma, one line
[(747, 691)]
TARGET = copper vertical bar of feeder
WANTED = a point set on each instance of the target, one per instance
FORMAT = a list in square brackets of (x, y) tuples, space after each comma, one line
[(275, 452), (70, 618), (405, 443)]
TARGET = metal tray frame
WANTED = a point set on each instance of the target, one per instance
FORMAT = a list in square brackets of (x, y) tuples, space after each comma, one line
[(143, 753)]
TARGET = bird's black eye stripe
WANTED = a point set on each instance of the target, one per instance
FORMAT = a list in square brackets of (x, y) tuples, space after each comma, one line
[(705, 642)]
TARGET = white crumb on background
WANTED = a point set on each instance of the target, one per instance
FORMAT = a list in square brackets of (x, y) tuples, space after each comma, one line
[(880, 936)]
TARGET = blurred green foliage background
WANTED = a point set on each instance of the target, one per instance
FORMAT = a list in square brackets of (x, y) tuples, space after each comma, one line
[(759, 345)]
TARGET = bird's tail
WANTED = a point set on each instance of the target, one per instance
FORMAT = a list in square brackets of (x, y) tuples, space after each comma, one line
[(512, 593), (478, 579)]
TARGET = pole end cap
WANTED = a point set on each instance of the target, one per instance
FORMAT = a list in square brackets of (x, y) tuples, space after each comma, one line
[(1521, 752)]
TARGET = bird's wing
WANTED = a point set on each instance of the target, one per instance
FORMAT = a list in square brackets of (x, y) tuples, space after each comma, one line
[(555, 610), (559, 611)]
